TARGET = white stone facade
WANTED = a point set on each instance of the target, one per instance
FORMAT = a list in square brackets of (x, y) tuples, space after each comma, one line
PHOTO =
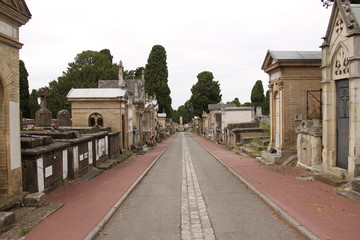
[(341, 64)]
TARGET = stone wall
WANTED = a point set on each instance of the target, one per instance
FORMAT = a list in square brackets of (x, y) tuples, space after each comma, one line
[(309, 144)]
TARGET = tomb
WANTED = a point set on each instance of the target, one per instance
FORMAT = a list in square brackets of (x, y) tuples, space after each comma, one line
[(341, 96), (13, 14), (293, 75)]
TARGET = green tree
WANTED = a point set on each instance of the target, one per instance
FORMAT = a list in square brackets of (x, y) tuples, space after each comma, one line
[(266, 105), (206, 91), (88, 67), (246, 104), (181, 112), (24, 90), (156, 78), (235, 101), (189, 109), (133, 74), (33, 103), (257, 94)]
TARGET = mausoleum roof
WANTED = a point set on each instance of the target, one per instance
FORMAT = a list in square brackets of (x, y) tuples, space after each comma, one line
[(218, 106), (295, 55), (96, 93)]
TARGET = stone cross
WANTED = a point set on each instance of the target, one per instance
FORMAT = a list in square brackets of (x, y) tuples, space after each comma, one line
[(43, 93), (43, 115)]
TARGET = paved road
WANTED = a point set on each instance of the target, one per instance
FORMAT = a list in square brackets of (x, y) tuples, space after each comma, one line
[(189, 195)]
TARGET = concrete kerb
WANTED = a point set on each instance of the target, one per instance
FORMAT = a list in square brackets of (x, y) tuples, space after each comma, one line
[(276, 208), (92, 235)]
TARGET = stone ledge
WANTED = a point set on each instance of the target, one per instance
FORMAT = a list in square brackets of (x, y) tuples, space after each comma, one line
[(330, 179)]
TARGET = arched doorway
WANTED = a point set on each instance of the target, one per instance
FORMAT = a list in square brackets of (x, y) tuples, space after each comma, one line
[(96, 119)]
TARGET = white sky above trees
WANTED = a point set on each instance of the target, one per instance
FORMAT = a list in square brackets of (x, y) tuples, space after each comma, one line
[(229, 38)]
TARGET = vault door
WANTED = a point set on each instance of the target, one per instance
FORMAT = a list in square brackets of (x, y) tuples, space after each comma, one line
[(342, 111)]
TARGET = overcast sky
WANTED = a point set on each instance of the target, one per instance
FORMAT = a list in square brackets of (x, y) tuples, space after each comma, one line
[(229, 38)]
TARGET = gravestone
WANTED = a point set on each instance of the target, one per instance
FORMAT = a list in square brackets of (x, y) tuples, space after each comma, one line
[(258, 111), (63, 118), (43, 115)]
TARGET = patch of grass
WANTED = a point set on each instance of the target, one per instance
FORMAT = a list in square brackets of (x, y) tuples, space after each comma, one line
[(25, 231), (342, 175)]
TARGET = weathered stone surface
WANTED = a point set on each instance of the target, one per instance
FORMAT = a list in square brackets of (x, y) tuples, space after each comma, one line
[(6, 219), (356, 185), (35, 141), (310, 127), (330, 179), (63, 118), (43, 118), (34, 199)]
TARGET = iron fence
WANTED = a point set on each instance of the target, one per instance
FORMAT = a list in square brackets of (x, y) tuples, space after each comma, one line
[(314, 104)]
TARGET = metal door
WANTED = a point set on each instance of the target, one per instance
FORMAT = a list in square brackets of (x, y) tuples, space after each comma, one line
[(342, 111)]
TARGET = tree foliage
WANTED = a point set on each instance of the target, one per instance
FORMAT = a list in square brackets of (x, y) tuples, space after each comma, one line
[(257, 94), (206, 91), (181, 112), (33, 103), (156, 78), (266, 104), (235, 101), (24, 90), (328, 3), (133, 74), (84, 72)]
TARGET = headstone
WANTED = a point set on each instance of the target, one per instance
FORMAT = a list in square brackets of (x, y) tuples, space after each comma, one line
[(258, 111), (43, 115), (63, 118)]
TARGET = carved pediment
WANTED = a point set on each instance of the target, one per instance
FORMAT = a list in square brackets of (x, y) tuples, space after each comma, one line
[(344, 21), (15, 9), (18, 5)]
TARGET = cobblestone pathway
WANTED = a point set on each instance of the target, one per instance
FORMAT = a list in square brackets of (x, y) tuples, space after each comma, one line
[(195, 222)]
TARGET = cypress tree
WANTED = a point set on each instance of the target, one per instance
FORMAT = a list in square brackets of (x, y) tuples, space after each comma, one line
[(24, 90), (156, 79)]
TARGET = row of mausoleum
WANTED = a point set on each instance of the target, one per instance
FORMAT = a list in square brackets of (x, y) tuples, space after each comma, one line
[(315, 100)]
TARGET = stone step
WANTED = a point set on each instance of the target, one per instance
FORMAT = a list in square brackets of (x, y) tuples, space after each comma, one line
[(355, 185), (330, 179), (246, 150), (6, 220), (250, 152), (257, 146), (264, 142), (251, 139)]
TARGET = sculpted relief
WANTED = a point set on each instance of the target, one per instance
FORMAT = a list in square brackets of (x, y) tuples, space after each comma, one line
[(341, 63)]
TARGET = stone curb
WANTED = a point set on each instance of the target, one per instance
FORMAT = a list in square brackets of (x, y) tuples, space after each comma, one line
[(95, 231), (276, 208)]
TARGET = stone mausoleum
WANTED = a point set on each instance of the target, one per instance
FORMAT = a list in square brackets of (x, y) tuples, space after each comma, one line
[(292, 76), (341, 91), (13, 14)]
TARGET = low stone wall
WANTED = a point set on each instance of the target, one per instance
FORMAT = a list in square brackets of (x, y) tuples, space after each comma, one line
[(113, 141), (100, 146), (309, 144), (80, 155), (44, 167), (48, 157)]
